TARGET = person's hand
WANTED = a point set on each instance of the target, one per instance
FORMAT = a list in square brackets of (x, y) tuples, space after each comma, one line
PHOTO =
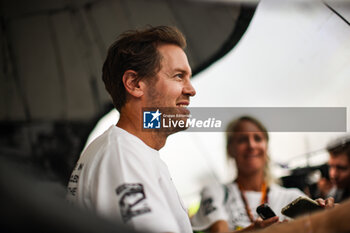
[(327, 204), (259, 223), (324, 186)]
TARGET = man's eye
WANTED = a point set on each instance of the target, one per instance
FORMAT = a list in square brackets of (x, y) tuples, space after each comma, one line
[(179, 75), (342, 168)]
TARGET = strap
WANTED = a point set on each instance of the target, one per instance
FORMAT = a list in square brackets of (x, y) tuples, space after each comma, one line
[(264, 199)]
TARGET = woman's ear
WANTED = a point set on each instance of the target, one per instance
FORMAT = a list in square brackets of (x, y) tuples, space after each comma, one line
[(132, 83)]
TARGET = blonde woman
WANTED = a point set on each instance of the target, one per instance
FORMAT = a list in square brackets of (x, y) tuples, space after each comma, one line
[(232, 206)]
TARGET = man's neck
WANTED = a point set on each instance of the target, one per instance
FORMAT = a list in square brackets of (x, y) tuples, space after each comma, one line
[(131, 122), (251, 182)]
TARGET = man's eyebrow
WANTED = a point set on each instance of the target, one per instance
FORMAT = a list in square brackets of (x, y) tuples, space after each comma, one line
[(183, 71)]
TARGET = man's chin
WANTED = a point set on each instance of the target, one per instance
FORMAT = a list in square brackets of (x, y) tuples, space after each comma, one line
[(183, 111), (177, 124)]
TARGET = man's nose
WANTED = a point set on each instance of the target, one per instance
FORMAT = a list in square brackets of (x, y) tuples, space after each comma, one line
[(189, 89), (333, 173)]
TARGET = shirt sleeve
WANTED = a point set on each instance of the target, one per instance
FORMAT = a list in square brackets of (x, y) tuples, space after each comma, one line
[(211, 208), (125, 187)]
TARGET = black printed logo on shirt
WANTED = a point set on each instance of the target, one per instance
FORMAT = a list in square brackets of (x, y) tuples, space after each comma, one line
[(208, 205), (132, 200), (74, 179)]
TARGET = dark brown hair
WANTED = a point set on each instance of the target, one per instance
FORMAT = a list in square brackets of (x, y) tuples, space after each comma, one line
[(340, 146), (136, 50)]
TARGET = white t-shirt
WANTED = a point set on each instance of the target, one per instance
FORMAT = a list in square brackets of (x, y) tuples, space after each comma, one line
[(224, 202), (121, 178)]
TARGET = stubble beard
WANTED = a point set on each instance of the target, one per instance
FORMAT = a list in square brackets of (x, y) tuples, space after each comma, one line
[(156, 103)]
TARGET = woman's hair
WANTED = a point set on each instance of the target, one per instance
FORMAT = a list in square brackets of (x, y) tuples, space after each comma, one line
[(233, 128)]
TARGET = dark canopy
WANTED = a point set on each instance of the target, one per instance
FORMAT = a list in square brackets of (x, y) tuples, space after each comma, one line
[(51, 57), (52, 51)]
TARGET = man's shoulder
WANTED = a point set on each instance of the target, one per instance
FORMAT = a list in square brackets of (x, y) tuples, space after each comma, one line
[(117, 145), (113, 137)]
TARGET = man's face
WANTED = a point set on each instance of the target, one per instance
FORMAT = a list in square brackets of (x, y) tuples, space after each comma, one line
[(172, 88), (339, 170)]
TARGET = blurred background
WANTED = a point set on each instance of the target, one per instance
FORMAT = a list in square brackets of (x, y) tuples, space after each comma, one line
[(243, 54), (51, 58)]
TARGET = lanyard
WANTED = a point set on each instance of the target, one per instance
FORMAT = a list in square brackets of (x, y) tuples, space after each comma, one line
[(264, 199)]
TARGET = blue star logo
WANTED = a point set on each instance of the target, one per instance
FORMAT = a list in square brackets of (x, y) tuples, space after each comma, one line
[(151, 119)]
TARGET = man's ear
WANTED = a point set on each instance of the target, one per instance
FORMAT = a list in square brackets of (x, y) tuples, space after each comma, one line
[(132, 84)]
